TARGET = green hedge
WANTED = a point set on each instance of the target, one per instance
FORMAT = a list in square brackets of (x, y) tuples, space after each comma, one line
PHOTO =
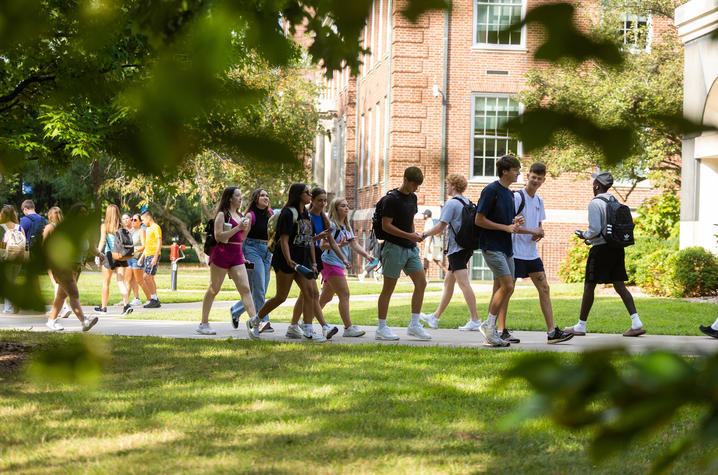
[(573, 267), (690, 272)]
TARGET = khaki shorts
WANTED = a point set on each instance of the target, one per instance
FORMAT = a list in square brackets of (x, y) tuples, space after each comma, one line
[(395, 258)]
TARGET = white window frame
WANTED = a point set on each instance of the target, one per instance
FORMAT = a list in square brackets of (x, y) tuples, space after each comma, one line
[(380, 33), (519, 144), (377, 141), (491, 46), (649, 27), (361, 151), (369, 146)]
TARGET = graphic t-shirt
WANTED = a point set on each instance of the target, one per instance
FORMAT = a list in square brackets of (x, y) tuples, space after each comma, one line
[(533, 212), (341, 236), (300, 237), (497, 204), (401, 208)]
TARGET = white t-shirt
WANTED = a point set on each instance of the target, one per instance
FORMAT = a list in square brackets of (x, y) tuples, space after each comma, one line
[(428, 242), (533, 212)]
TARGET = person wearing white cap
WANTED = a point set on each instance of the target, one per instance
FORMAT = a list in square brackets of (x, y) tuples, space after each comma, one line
[(606, 264), (432, 246)]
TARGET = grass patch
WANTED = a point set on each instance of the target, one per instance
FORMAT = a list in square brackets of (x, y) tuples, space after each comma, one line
[(169, 405)]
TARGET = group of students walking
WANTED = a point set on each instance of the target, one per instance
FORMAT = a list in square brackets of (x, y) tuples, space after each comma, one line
[(304, 242)]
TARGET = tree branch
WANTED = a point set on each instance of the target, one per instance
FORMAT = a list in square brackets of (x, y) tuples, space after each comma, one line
[(22, 85)]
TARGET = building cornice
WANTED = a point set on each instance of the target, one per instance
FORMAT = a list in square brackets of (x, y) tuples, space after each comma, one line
[(696, 18)]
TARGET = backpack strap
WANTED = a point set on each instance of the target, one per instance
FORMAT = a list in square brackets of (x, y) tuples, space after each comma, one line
[(523, 202)]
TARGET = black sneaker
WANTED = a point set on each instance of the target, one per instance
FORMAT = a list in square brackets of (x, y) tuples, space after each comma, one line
[(154, 303), (329, 332), (709, 331), (235, 320), (127, 309), (506, 336), (559, 336), (101, 309)]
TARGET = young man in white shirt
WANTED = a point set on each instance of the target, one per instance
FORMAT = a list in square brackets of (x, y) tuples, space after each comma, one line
[(527, 262)]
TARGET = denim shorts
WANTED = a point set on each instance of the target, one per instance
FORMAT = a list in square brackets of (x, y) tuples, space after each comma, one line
[(499, 263), (132, 263)]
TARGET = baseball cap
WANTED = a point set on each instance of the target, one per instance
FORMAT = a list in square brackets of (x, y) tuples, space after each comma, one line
[(604, 178), (427, 212)]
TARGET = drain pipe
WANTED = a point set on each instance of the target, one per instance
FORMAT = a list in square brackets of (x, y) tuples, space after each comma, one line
[(387, 109), (445, 83)]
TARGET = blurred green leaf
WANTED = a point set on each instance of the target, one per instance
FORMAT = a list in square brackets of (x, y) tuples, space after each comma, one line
[(75, 360)]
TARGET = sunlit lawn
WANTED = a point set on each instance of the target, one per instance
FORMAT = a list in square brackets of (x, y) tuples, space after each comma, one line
[(167, 406)]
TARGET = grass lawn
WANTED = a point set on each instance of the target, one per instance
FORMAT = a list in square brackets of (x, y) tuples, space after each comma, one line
[(235, 406), (659, 315), (192, 284)]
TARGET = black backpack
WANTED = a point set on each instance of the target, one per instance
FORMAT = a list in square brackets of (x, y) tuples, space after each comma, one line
[(468, 234), (619, 223), (122, 248), (210, 241), (376, 219)]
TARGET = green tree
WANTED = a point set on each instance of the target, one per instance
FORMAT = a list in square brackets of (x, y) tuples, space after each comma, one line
[(637, 95)]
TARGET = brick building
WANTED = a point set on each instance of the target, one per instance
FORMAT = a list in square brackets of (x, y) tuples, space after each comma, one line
[(435, 94)]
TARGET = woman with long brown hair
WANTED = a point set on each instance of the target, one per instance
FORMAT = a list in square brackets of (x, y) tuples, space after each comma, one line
[(107, 240)]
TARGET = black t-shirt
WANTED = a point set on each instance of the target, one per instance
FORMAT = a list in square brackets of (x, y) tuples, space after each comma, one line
[(497, 204), (401, 208), (300, 237), (259, 227)]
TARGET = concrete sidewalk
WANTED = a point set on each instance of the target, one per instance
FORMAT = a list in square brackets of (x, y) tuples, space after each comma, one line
[(109, 325)]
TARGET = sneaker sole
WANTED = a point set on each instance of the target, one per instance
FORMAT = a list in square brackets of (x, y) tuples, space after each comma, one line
[(462, 329), (498, 345), (331, 333), (235, 323), (93, 322), (205, 333), (129, 311), (383, 338), (354, 336), (249, 330), (419, 337), (428, 323), (566, 338), (294, 337)]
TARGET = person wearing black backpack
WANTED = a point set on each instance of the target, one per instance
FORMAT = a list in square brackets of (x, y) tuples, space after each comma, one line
[(32, 223), (606, 263), (399, 252), (458, 256)]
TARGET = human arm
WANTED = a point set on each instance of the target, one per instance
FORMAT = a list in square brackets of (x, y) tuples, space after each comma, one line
[(46, 232), (437, 229), (388, 226), (103, 236), (220, 235), (594, 221), (483, 222), (156, 256), (360, 250)]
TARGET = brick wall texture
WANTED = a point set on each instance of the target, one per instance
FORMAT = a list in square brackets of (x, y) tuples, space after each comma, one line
[(401, 74)]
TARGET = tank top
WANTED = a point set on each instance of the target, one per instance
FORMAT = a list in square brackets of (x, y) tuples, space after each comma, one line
[(318, 223), (237, 237), (259, 227), (109, 242)]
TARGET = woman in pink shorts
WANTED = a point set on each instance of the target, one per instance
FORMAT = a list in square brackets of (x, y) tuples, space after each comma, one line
[(226, 256), (333, 274)]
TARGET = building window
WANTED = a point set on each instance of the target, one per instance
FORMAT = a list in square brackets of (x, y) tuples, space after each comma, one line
[(479, 269), (492, 19), (491, 137), (635, 31), (377, 142), (362, 150)]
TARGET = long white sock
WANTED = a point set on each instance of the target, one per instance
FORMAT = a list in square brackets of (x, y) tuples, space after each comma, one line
[(715, 325), (415, 319), (580, 326), (635, 322), (492, 320), (382, 323)]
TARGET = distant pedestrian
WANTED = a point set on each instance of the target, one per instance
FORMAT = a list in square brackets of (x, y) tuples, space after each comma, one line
[(495, 213), (400, 252), (126, 274), (333, 271), (459, 258), (14, 243), (227, 257), (432, 246), (606, 264), (110, 264), (256, 251), (54, 217), (32, 223), (137, 231), (294, 260), (66, 276), (150, 258)]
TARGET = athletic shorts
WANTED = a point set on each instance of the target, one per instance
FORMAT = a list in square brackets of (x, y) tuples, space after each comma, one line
[(499, 263), (112, 264), (226, 256), (524, 267), (330, 270), (606, 265), (132, 263), (460, 259), (395, 258), (147, 265)]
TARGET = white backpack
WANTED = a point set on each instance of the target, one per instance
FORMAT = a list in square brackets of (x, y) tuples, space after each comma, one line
[(14, 240)]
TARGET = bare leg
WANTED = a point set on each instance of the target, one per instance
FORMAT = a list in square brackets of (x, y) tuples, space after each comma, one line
[(626, 296), (139, 275), (462, 278), (587, 300), (284, 284), (241, 281), (386, 290), (310, 300), (544, 291), (327, 293), (504, 288), (448, 292), (106, 278), (443, 267), (417, 297), (216, 278), (342, 289)]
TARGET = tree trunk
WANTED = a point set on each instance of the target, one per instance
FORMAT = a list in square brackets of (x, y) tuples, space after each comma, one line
[(197, 246)]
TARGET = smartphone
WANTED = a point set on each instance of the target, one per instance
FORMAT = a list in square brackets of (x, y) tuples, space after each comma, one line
[(249, 265)]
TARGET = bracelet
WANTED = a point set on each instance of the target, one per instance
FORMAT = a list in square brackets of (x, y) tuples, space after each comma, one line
[(314, 264)]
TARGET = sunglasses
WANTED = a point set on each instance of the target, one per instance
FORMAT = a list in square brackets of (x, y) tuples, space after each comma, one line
[(308, 192), (135, 219)]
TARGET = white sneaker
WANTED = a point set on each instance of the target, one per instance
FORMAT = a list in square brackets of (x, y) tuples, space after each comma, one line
[(65, 312), (54, 325), (205, 330), (385, 333), (430, 320), (136, 302), (353, 331), (253, 328), (471, 326), (294, 332), (314, 337), (89, 323), (417, 331), (490, 335)]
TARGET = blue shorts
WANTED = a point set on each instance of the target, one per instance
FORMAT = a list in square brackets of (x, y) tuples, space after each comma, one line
[(132, 263), (524, 268), (149, 268)]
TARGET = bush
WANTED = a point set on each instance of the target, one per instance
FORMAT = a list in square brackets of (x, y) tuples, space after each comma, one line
[(644, 246), (573, 267), (653, 272), (659, 216), (695, 272)]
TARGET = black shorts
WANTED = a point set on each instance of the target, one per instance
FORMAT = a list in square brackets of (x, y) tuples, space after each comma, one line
[(459, 260), (606, 265), (110, 262), (522, 267)]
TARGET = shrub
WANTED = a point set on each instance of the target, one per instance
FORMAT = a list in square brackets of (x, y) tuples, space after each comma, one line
[(573, 267), (695, 272), (645, 245), (653, 272), (659, 216)]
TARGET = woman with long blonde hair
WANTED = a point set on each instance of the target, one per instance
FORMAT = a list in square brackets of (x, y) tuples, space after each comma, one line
[(107, 241), (333, 273), (55, 217)]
